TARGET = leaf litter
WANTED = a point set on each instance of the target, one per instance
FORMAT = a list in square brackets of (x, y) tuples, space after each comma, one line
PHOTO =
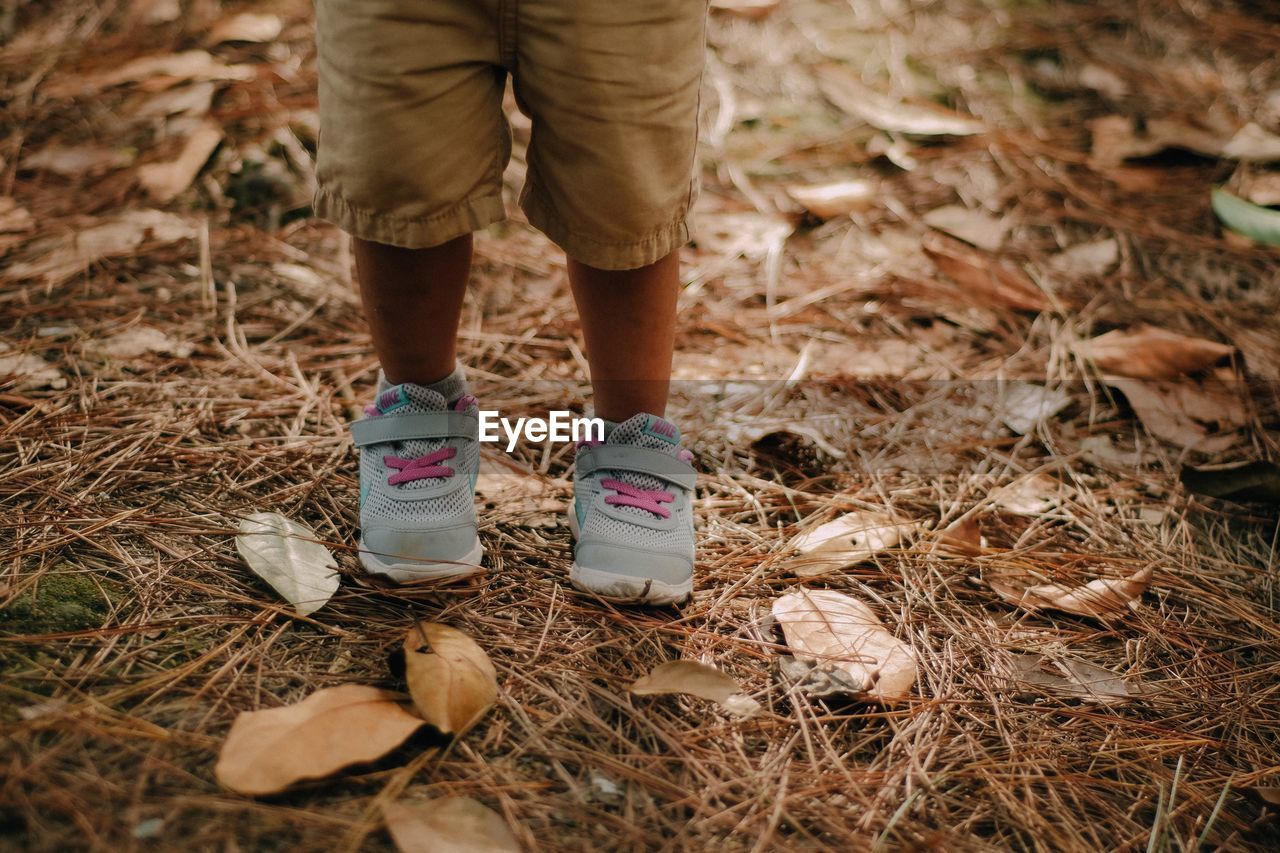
[(697, 679), (116, 474)]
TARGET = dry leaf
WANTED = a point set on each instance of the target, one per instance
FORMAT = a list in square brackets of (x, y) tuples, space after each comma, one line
[(1116, 139), (750, 9), (193, 100), (985, 280), (14, 219), (1103, 597), (448, 825), (76, 161), (962, 536), (842, 87), (826, 201), (834, 630), (1026, 406), (64, 256), (1082, 680), (24, 370), (521, 492), (848, 539), (1198, 415), (1146, 352), (1087, 259), (164, 181), (451, 679), (697, 679), (1033, 495), (165, 68), (247, 26), (285, 554), (973, 226), (333, 728), (138, 341)]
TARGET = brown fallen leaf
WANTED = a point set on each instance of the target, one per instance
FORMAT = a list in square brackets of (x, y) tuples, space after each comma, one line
[(66, 254), (158, 71), (1033, 495), (1269, 794), (697, 679), (849, 539), (76, 161), (826, 201), (447, 825), (1087, 259), (247, 27), (1079, 679), (962, 536), (985, 280), (267, 751), (844, 88), (164, 181), (15, 219), (1146, 352), (1201, 415), (834, 630), (1025, 406), (451, 679), (1117, 138), (976, 227), (1099, 598), (193, 100)]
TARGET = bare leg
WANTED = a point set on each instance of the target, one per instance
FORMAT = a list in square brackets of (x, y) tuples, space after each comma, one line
[(413, 302), (628, 321)]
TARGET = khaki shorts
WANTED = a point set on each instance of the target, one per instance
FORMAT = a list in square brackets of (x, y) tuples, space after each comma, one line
[(413, 138)]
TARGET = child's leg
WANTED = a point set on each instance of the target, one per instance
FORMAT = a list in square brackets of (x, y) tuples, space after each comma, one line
[(628, 321), (413, 301)]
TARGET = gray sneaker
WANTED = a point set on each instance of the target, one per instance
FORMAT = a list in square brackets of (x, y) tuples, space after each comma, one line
[(419, 461), (632, 514)]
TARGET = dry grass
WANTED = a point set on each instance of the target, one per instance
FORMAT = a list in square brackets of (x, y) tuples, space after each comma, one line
[(132, 634)]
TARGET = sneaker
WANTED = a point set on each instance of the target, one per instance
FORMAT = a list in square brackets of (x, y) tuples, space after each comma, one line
[(632, 514), (419, 460)]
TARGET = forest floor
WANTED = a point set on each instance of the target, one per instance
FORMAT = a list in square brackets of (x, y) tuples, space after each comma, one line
[(181, 346)]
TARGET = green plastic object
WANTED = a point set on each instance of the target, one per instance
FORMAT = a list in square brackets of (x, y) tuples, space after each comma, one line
[(1257, 223)]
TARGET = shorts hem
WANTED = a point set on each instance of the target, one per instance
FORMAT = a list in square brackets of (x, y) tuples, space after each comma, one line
[(603, 254), (467, 216)]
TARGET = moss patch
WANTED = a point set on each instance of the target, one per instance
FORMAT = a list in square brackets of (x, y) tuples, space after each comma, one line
[(64, 599)]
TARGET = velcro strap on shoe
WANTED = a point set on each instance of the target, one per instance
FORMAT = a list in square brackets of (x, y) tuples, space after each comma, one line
[(611, 457), (420, 426)]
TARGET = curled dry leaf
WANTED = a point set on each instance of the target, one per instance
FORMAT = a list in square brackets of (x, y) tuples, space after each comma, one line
[(1087, 259), (286, 555), (246, 26), (164, 69), (834, 630), (826, 201), (451, 679), (1201, 415), (1146, 352), (76, 161), (1100, 598), (972, 226), (164, 181), (448, 825), (985, 280), (697, 679), (333, 728), (842, 87), (138, 341), (962, 536), (848, 539)]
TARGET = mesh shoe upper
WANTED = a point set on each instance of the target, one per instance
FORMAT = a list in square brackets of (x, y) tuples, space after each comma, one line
[(605, 515), (412, 501)]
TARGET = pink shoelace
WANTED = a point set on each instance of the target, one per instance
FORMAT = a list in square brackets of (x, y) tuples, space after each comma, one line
[(650, 500), (421, 468)]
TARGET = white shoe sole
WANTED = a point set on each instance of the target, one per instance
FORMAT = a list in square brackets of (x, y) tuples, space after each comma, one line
[(625, 589), (418, 571)]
